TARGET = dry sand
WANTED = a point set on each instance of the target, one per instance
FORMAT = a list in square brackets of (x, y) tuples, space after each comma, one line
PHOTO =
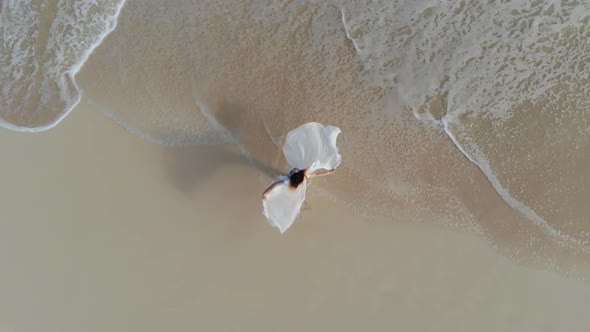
[(102, 231)]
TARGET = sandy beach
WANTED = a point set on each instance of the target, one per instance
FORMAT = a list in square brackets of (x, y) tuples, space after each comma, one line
[(138, 137), (128, 235)]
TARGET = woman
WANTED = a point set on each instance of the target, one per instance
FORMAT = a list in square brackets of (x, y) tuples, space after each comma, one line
[(311, 150)]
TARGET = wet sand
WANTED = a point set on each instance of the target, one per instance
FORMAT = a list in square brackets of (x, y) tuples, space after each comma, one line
[(184, 76), (101, 230)]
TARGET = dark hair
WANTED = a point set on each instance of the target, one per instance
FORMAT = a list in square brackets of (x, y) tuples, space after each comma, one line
[(296, 178)]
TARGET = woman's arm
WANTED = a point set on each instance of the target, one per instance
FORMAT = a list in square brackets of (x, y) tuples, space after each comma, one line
[(320, 172)]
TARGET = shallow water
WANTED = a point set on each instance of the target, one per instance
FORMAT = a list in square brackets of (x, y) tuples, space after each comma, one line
[(467, 114)]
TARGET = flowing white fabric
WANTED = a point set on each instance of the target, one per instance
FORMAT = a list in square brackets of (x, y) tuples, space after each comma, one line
[(283, 203), (311, 146)]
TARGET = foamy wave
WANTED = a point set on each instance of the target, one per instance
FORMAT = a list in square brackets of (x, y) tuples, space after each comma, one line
[(484, 56), (448, 61), (42, 47)]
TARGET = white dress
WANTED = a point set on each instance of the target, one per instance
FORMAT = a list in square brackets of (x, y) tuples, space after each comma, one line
[(311, 146)]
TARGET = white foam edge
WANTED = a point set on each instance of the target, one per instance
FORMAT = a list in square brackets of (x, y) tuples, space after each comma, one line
[(346, 28), (529, 213), (71, 73)]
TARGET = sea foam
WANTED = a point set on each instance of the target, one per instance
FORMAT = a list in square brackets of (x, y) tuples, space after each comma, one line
[(42, 47), (477, 60)]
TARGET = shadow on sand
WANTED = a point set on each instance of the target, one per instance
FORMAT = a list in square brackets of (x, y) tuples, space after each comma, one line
[(187, 167)]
